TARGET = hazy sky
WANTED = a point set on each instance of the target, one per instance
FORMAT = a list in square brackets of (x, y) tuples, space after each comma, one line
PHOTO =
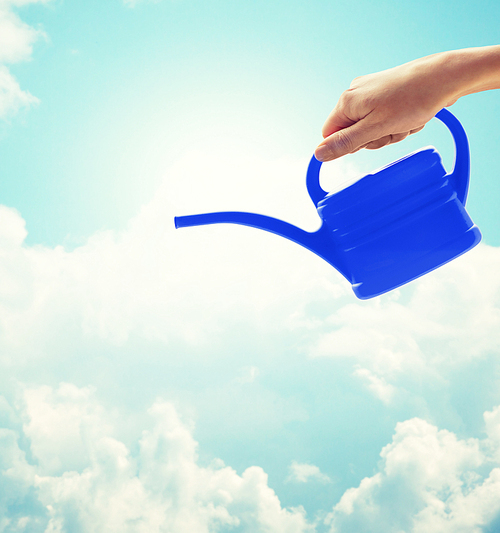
[(221, 378)]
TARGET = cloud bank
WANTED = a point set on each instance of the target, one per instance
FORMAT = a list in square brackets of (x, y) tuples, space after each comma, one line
[(62, 468), (81, 478)]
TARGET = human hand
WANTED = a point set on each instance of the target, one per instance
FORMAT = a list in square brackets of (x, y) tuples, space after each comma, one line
[(385, 107)]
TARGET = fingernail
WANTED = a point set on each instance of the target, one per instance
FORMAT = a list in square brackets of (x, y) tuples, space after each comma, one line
[(322, 152)]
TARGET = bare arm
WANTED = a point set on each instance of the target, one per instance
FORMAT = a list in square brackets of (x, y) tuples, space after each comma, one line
[(385, 107)]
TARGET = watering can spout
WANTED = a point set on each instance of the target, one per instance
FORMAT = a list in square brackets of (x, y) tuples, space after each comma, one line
[(317, 242)]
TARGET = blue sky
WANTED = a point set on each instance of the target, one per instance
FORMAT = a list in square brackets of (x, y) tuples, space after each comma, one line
[(222, 379)]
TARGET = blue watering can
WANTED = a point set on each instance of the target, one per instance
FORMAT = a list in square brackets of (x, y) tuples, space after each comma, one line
[(387, 228)]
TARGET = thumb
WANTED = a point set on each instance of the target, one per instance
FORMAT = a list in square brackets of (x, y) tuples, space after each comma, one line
[(347, 140)]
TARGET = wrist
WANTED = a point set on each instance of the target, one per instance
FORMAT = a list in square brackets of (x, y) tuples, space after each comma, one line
[(468, 71)]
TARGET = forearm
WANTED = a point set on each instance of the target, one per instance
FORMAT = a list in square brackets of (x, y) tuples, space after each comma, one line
[(463, 72)]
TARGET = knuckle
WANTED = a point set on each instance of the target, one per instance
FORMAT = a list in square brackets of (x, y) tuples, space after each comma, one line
[(345, 99), (345, 94), (345, 141), (356, 81)]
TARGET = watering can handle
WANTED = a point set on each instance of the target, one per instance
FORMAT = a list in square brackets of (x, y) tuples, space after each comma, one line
[(459, 176), (461, 168)]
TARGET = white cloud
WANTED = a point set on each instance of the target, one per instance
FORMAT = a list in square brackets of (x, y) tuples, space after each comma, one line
[(16, 44), (12, 228), (305, 472), (248, 374), (492, 423), (380, 388), (428, 481), (59, 424), (16, 37), (93, 482), (16, 476), (12, 97), (446, 319)]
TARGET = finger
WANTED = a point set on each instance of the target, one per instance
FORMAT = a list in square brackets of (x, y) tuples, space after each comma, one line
[(347, 140), (379, 143), (398, 137), (336, 121), (388, 139), (416, 130), (394, 138)]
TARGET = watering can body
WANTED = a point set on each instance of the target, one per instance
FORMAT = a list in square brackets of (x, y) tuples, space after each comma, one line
[(389, 227)]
